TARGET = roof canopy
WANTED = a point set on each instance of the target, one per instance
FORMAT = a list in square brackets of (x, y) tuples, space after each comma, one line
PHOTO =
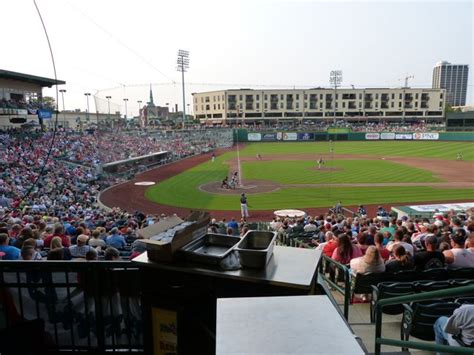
[(38, 80)]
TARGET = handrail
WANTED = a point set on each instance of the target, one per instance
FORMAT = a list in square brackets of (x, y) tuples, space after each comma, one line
[(452, 292), (345, 291)]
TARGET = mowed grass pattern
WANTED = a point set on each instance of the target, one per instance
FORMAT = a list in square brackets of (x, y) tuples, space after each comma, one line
[(182, 190), (427, 149), (346, 171)]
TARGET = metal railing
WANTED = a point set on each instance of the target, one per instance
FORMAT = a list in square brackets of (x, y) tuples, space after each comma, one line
[(332, 265), (86, 306), (379, 341)]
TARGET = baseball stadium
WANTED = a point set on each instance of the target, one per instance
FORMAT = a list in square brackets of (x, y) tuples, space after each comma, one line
[(123, 236), (256, 209), (371, 169)]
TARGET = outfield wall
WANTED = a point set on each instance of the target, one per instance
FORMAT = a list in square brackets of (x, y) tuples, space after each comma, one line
[(243, 135)]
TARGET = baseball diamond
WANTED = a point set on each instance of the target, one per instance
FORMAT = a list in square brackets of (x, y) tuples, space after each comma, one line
[(287, 176)]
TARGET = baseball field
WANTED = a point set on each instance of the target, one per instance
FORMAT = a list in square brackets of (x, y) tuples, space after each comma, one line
[(287, 176)]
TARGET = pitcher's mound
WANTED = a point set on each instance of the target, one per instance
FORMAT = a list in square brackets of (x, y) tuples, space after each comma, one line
[(248, 186)]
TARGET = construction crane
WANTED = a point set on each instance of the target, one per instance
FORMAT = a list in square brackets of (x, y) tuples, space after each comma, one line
[(408, 77)]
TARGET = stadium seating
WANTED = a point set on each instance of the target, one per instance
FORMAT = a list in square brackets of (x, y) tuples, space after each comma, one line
[(394, 289), (418, 319)]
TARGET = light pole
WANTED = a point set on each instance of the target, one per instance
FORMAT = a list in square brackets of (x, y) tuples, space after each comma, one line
[(335, 78), (87, 94), (62, 91), (108, 103), (183, 65), (108, 106), (125, 100), (139, 102)]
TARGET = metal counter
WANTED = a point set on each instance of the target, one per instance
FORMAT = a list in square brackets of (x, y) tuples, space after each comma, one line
[(288, 267), (282, 325)]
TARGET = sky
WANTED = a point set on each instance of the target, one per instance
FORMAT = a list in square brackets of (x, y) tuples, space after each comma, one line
[(120, 47)]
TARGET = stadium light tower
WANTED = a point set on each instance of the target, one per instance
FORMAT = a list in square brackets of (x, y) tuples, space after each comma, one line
[(335, 78), (183, 65), (139, 102), (62, 91), (125, 100), (87, 94), (108, 103)]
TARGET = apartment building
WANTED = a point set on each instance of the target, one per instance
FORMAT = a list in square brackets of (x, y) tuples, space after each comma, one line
[(229, 106)]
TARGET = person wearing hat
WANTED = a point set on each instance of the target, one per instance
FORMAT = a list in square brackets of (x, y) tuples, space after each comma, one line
[(458, 256), (81, 248)]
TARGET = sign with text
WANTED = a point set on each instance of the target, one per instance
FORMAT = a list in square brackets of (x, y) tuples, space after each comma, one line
[(290, 136), (443, 207), (269, 137), (426, 136), (165, 331), (254, 137), (387, 135), (372, 136), (403, 136), (306, 136), (45, 114)]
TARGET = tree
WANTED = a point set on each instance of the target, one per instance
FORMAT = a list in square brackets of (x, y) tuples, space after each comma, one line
[(448, 108), (47, 102)]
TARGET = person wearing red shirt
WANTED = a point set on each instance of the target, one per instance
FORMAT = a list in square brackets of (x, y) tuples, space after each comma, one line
[(331, 244), (58, 232)]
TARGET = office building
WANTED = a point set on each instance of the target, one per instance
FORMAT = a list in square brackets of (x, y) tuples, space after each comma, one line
[(453, 78)]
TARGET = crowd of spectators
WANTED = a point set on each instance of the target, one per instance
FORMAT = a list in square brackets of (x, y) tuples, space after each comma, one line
[(365, 126), (52, 208), (24, 104), (97, 148), (385, 243)]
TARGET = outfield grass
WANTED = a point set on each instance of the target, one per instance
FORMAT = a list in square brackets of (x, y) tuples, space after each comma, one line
[(348, 171), (428, 149), (182, 190)]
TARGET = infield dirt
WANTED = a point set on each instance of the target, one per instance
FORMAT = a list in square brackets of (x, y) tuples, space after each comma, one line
[(457, 174)]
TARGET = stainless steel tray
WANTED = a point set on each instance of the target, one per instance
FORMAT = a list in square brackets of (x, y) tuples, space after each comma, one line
[(256, 248), (210, 248)]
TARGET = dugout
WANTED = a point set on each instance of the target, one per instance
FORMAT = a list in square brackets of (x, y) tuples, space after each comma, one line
[(428, 211), (146, 161)]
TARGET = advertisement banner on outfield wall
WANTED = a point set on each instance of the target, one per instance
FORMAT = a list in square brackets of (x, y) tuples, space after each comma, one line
[(269, 137), (426, 136), (403, 136), (372, 136), (387, 135), (290, 136), (306, 136), (254, 137)]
